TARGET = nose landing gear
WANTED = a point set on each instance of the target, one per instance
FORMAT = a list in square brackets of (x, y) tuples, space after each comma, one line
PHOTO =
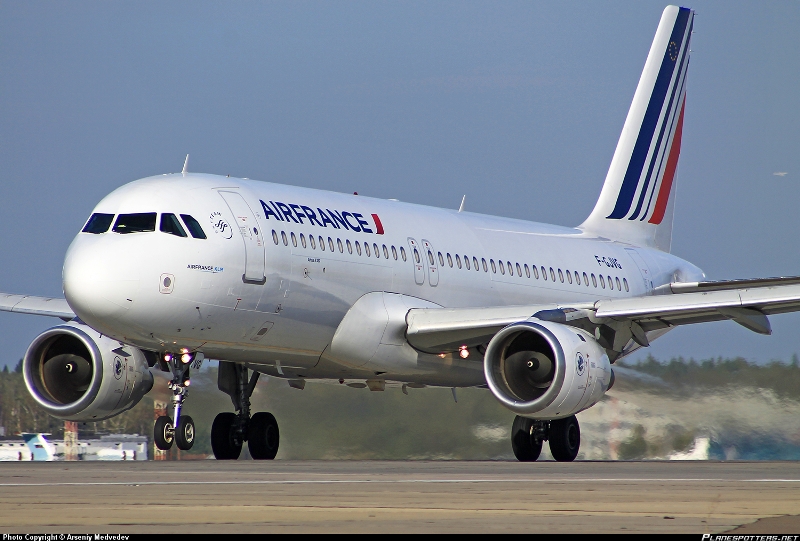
[(230, 430), (528, 436), (179, 429)]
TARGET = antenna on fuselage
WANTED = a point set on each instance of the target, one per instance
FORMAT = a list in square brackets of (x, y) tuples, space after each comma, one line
[(460, 207), (185, 165)]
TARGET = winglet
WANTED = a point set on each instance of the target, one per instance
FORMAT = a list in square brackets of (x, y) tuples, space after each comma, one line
[(186, 165), (461, 207)]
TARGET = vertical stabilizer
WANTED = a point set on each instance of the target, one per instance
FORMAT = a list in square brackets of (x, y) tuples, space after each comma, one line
[(637, 200)]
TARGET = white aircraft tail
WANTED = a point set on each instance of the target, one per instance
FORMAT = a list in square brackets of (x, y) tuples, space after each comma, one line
[(637, 200), (40, 448)]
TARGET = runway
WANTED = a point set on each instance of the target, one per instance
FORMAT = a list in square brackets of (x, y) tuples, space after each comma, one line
[(464, 497)]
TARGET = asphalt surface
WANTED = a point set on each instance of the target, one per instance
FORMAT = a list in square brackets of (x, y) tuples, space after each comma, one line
[(364, 496)]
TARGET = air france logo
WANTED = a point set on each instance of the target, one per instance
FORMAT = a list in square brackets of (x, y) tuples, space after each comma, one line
[(117, 367), (580, 364), (352, 221), (220, 225)]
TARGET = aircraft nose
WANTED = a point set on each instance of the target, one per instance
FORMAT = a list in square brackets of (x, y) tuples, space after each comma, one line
[(100, 280)]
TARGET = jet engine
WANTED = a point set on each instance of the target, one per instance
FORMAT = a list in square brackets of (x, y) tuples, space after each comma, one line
[(78, 374), (544, 370)]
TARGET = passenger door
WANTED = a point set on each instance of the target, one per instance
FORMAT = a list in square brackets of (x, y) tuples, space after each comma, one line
[(252, 236)]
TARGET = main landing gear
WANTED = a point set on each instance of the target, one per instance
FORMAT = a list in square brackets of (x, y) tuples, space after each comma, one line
[(528, 435), (179, 429), (231, 430)]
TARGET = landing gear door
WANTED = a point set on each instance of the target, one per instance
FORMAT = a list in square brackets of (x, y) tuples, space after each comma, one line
[(430, 259), (251, 233), (416, 260), (644, 270)]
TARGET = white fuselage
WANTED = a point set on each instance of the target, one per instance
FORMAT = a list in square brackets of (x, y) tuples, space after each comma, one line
[(239, 295)]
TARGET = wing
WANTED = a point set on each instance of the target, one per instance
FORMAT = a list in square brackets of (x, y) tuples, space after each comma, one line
[(40, 306), (618, 324)]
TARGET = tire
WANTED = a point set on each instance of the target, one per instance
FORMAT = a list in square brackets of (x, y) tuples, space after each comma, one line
[(163, 435), (565, 439), (524, 446), (223, 443), (263, 436), (184, 434)]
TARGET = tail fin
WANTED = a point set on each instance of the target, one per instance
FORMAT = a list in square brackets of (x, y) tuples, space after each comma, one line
[(637, 200)]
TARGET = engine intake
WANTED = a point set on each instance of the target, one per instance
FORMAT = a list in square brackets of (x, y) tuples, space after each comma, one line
[(77, 374), (540, 369)]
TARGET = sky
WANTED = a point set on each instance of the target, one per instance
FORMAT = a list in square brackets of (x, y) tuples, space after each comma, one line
[(517, 105)]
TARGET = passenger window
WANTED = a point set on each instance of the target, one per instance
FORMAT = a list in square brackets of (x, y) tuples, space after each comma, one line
[(284, 239), (441, 259), (475, 262), (577, 278), (502, 268), (544, 273), (485, 268), (466, 262), (294, 239), (349, 246), (519, 270), (135, 223), (339, 244), (535, 271), (569, 277), (303, 240), (98, 223), (193, 226), (552, 274), (312, 241), (403, 253), (358, 248), (619, 288), (560, 276), (494, 268), (458, 261), (321, 243), (594, 280), (430, 258), (385, 252), (170, 224), (375, 250), (330, 243), (510, 268), (275, 237), (394, 253), (625, 283), (366, 251), (450, 261), (602, 282), (585, 279)]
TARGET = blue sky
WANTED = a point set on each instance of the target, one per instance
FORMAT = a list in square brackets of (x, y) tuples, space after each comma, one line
[(518, 105)]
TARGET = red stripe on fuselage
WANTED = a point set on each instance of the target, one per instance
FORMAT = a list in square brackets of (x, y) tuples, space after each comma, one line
[(378, 224), (669, 172)]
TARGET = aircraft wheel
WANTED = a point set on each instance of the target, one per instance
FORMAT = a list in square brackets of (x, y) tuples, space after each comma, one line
[(184, 435), (565, 439), (223, 437), (163, 433), (522, 442), (263, 436)]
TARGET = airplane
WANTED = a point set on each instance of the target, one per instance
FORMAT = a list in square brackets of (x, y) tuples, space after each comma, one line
[(305, 285), (36, 447)]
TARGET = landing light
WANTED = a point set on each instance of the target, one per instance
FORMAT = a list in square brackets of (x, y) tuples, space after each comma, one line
[(167, 357), (186, 358), (186, 383), (463, 352)]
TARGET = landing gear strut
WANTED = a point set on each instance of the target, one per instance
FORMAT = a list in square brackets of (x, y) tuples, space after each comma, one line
[(528, 435), (231, 430), (179, 429)]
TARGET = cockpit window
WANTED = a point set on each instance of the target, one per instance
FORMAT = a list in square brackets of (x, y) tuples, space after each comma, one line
[(171, 225), (98, 223), (193, 226), (135, 223)]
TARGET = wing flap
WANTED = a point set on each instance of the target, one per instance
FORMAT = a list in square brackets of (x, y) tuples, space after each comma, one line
[(40, 306)]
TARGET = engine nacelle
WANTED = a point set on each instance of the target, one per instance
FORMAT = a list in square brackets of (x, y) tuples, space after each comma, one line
[(78, 374), (545, 370)]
